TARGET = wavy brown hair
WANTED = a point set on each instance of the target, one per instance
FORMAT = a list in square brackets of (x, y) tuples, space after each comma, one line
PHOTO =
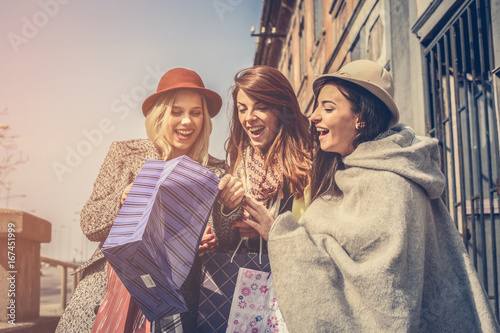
[(292, 143)]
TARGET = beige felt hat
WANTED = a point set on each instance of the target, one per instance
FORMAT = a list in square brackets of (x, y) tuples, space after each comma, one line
[(369, 75)]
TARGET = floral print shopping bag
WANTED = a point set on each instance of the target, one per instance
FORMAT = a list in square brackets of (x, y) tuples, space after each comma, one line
[(255, 308)]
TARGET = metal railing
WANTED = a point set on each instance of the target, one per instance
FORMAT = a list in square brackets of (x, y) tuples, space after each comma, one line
[(462, 117), (64, 277)]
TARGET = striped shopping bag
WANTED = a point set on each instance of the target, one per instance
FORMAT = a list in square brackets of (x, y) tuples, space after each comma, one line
[(155, 237), (118, 313)]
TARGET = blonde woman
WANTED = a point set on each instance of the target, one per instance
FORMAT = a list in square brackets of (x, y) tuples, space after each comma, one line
[(178, 122)]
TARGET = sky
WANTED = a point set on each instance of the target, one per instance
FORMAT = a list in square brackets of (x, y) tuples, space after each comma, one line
[(74, 74)]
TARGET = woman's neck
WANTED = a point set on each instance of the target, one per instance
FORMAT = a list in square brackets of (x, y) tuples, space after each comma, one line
[(177, 153)]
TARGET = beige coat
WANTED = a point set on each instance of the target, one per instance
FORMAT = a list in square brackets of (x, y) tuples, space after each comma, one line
[(121, 166)]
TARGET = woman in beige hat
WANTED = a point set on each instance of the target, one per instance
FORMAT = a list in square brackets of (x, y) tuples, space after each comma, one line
[(178, 122), (377, 250)]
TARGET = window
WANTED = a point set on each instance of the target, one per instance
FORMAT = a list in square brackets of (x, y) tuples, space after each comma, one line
[(302, 47), (318, 19)]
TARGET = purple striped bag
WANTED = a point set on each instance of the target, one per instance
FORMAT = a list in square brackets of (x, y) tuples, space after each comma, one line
[(155, 237)]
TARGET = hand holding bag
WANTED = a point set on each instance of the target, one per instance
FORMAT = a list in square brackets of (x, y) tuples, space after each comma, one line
[(155, 238)]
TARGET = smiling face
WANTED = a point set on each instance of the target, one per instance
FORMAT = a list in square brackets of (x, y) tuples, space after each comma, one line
[(185, 122), (335, 121), (258, 121)]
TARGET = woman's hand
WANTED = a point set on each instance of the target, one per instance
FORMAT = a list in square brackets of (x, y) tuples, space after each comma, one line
[(259, 217), (246, 230), (125, 193), (208, 242), (232, 192)]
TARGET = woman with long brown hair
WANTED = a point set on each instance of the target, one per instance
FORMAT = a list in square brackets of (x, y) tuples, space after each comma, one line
[(268, 150), (377, 250)]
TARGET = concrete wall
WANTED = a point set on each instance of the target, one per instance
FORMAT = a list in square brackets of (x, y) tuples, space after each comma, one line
[(406, 64)]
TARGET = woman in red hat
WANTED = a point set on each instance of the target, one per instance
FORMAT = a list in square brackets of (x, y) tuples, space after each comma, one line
[(178, 122)]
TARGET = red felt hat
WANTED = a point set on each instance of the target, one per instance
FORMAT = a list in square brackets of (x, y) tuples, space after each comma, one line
[(182, 78)]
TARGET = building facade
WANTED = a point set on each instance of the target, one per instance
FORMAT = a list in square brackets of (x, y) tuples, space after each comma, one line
[(444, 56)]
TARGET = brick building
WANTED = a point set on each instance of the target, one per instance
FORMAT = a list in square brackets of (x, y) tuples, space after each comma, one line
[(444, 56)]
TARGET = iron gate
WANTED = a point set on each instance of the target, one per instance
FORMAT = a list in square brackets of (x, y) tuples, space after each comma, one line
[(462, 117)]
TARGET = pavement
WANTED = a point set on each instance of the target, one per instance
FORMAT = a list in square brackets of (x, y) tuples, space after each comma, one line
[(50, 304)]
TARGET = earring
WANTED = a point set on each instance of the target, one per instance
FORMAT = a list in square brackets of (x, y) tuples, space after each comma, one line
[(360, 125)]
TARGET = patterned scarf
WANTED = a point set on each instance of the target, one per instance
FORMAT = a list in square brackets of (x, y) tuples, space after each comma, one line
[(259, 183)]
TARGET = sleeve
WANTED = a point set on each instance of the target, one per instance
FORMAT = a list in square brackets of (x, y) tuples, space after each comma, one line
[(227, 236), (361, 272), (100, 211)]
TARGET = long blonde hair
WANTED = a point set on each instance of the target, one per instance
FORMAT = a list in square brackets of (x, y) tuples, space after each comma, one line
[(156, 128)]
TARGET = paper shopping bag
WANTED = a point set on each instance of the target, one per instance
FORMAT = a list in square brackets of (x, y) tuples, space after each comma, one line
[(118, 313), (155, 237), (218, 282), (255, 307)]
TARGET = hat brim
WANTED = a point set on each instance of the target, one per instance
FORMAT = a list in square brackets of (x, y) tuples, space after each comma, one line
[(214, 101), (374, 89)]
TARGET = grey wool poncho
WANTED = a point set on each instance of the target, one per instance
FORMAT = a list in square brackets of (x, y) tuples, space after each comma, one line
[(384, 256)]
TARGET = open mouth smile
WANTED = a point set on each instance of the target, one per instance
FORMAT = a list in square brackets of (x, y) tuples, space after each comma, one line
[(322, 132), (256, 131), (184, 135)]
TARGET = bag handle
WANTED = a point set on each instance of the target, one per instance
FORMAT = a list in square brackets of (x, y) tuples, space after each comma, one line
[(275, 210), (239, 245)]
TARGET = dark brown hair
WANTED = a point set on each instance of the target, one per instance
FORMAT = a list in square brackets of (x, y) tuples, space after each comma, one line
[(370, 109), (292, 143)]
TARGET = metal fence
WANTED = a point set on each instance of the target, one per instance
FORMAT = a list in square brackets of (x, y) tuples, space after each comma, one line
[(64, 277), (461, 115)]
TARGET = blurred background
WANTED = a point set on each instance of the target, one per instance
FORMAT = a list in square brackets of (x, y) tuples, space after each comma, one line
[(73, 77)]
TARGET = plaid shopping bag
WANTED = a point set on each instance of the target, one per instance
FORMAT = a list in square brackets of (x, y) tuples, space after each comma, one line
[(218, 282), (255, 307), (155, 237)]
